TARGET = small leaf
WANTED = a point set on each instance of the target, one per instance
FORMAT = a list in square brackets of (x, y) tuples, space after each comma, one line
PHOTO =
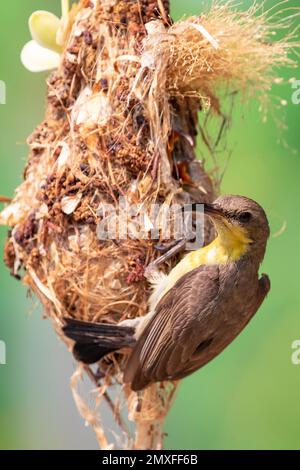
[(63, 156), (91, 109), (70, 203)]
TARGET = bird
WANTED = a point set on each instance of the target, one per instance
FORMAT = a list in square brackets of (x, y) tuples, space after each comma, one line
[(196, 310)]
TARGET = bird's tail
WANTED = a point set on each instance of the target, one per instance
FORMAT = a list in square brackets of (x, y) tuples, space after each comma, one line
[(94, 340)]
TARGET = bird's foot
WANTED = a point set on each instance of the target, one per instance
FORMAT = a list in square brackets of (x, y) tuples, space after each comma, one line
[(171, 250)]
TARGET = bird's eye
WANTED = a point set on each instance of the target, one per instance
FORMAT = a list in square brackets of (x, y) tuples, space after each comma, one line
[(244, 217)]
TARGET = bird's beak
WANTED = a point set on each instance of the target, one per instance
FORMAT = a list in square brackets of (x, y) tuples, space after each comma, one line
[(213, 212)]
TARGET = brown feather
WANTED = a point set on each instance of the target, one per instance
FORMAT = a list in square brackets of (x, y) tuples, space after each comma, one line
[(205, 310)]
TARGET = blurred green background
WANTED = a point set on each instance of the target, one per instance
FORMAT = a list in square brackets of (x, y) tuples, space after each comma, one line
[(248, 398)]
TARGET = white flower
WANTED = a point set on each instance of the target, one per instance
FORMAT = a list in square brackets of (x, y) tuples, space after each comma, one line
[(43, 51)]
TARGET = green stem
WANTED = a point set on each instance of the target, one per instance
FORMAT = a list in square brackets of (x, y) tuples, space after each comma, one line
[(65, 8)]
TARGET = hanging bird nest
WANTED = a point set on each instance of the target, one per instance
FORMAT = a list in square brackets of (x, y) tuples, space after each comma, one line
[(121, 122)]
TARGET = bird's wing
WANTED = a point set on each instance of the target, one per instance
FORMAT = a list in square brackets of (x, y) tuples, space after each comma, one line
[(264, 286), (178, 331)]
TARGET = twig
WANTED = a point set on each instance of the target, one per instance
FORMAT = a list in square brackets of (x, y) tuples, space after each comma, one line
[(93, 377), (5, 199)]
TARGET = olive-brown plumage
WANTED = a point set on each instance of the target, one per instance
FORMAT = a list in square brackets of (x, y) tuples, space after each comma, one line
[(205, 309)]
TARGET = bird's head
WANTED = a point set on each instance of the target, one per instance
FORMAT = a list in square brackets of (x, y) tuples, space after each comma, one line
[(241, 222)]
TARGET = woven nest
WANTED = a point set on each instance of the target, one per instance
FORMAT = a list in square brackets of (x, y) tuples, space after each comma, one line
[(121, 121)]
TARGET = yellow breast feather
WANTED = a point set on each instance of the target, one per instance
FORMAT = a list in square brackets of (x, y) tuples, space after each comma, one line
[(231, 243)]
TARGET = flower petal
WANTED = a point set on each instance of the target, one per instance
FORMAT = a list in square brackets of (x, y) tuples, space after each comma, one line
[(39, 59), (43, 27)]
